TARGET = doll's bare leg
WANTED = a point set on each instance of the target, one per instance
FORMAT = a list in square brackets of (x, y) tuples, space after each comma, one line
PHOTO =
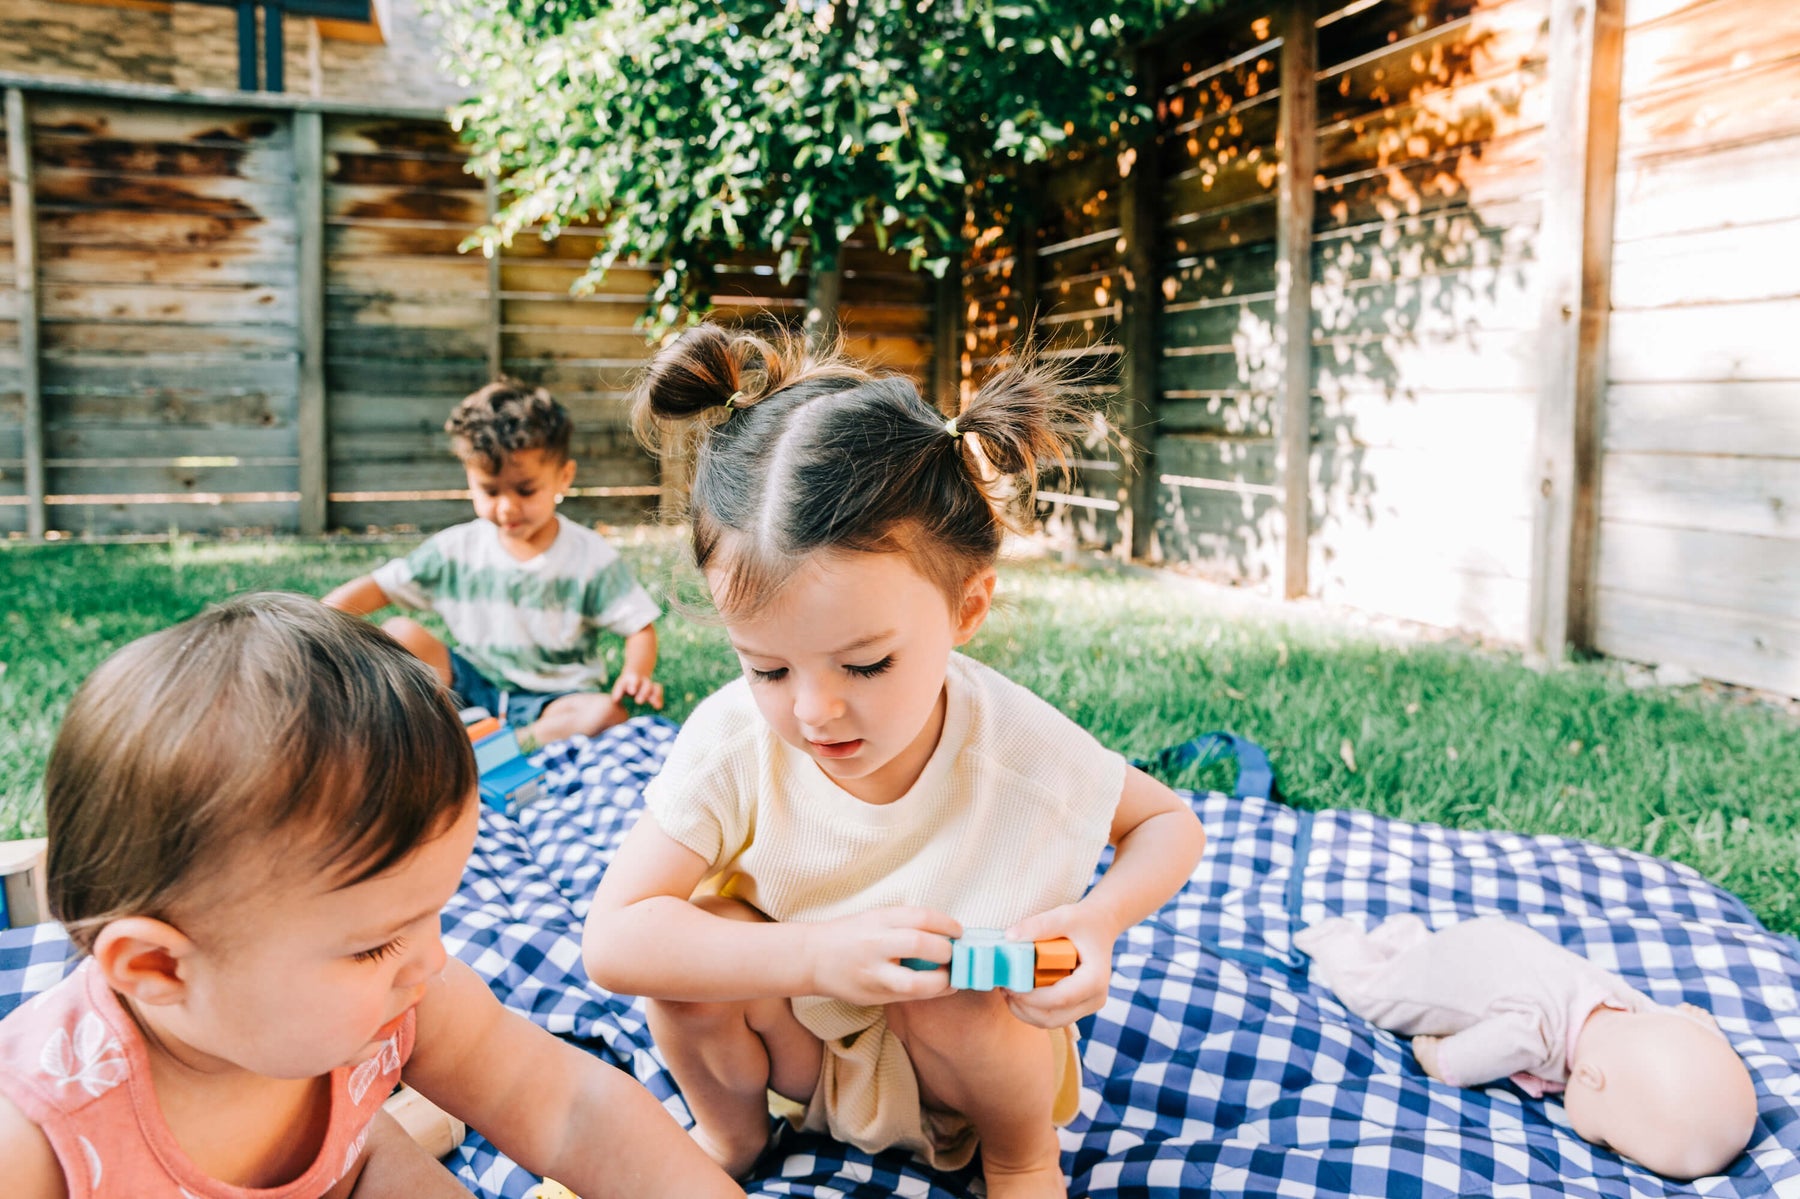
[(726, 1057), (973, 1056)]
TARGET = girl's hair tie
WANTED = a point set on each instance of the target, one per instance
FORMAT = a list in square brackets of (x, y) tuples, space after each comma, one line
[(731, 402), (950, 428)]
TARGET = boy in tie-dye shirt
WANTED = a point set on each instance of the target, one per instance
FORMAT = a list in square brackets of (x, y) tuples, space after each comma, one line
[(527, 593)]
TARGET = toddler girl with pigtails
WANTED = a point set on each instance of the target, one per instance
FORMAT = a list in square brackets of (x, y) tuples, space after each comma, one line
[(865, 793)]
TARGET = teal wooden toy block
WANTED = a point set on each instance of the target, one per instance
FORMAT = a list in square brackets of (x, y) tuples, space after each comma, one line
[(982, 959)]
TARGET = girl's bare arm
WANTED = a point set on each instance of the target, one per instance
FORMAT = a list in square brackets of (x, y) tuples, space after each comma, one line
[(1158, 840), (643, 937)]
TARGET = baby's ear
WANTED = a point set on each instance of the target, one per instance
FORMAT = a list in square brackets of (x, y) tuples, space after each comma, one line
[(1590, 1076), (142, 957)]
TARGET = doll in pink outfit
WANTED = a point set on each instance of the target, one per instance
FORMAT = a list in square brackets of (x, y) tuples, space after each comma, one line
[(1490, 998), (255, 818)]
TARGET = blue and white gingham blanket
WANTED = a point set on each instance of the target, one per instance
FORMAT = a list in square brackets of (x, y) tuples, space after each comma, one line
[(1216, 1066)]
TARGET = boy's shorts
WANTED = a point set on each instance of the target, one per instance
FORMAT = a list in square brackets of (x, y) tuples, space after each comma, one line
[(473, 690)]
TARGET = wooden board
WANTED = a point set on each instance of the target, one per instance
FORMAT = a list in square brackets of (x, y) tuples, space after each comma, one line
[(1755, 105), (1734, 573), (1359, 484), (1718, 42), (1712, 418), (1232, 536), (1728, 187), (1445, 423), (137, 516), (1753, 650), (1706, 343), (1730, 497), (169, 304), (1751, 262), (1427, 591)]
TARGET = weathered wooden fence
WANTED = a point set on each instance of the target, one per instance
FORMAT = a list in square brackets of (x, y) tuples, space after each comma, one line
[(1474, 312), (1699, 512), (253, 312)]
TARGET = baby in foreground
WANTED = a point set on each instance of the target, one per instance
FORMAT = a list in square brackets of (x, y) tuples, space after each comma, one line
[(1490, 998), (255, 818)]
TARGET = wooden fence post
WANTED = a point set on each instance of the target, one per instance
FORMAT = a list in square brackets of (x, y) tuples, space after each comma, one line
[(946, 338), (1140, 214), (1293, 285), (25, 282), (824, 287), (1027, 277), (1575, 252), (309, 204), (496, 350)]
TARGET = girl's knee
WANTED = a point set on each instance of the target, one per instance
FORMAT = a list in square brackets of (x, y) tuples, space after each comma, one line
[(960, 1019), (697, 1016)]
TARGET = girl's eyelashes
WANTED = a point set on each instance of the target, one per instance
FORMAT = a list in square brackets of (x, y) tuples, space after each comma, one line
[(868, 671), (380, 951)]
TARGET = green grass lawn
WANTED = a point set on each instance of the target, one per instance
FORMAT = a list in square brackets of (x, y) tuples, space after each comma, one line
[(1425, 731)]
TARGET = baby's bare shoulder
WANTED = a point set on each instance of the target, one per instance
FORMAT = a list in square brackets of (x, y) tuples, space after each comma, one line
[(32, 1171)]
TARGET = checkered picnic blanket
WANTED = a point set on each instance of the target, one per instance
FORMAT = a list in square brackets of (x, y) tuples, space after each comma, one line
[(1216, 1066)]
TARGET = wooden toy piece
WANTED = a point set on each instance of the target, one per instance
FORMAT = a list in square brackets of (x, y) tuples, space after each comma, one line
[(24, 894), (550, 1189), (983, 960), (487, 726), (1056, 960), (436, 1130)]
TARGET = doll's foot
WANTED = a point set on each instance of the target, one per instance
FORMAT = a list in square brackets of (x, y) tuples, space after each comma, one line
[(734, 1156), (1034, 1182), (1425, 1049)]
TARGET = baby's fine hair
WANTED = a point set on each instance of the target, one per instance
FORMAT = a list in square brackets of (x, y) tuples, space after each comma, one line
[(505, 417), (799, 453), (270, 720)]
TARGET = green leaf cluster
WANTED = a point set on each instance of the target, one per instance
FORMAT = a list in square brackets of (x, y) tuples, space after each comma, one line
[(685, 130)]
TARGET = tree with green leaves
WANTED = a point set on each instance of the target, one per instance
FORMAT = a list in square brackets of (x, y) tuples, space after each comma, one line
[(687, 129)]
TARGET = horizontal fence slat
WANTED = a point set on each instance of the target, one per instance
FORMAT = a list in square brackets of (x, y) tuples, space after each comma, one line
[(1752, 650), (1739, 573), (1712, 418), (1738, 495)]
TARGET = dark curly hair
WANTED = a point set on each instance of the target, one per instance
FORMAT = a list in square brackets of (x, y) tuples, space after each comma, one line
[(505, 417)]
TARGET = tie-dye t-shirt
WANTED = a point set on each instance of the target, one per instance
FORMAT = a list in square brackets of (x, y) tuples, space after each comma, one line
[(527, 626)]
